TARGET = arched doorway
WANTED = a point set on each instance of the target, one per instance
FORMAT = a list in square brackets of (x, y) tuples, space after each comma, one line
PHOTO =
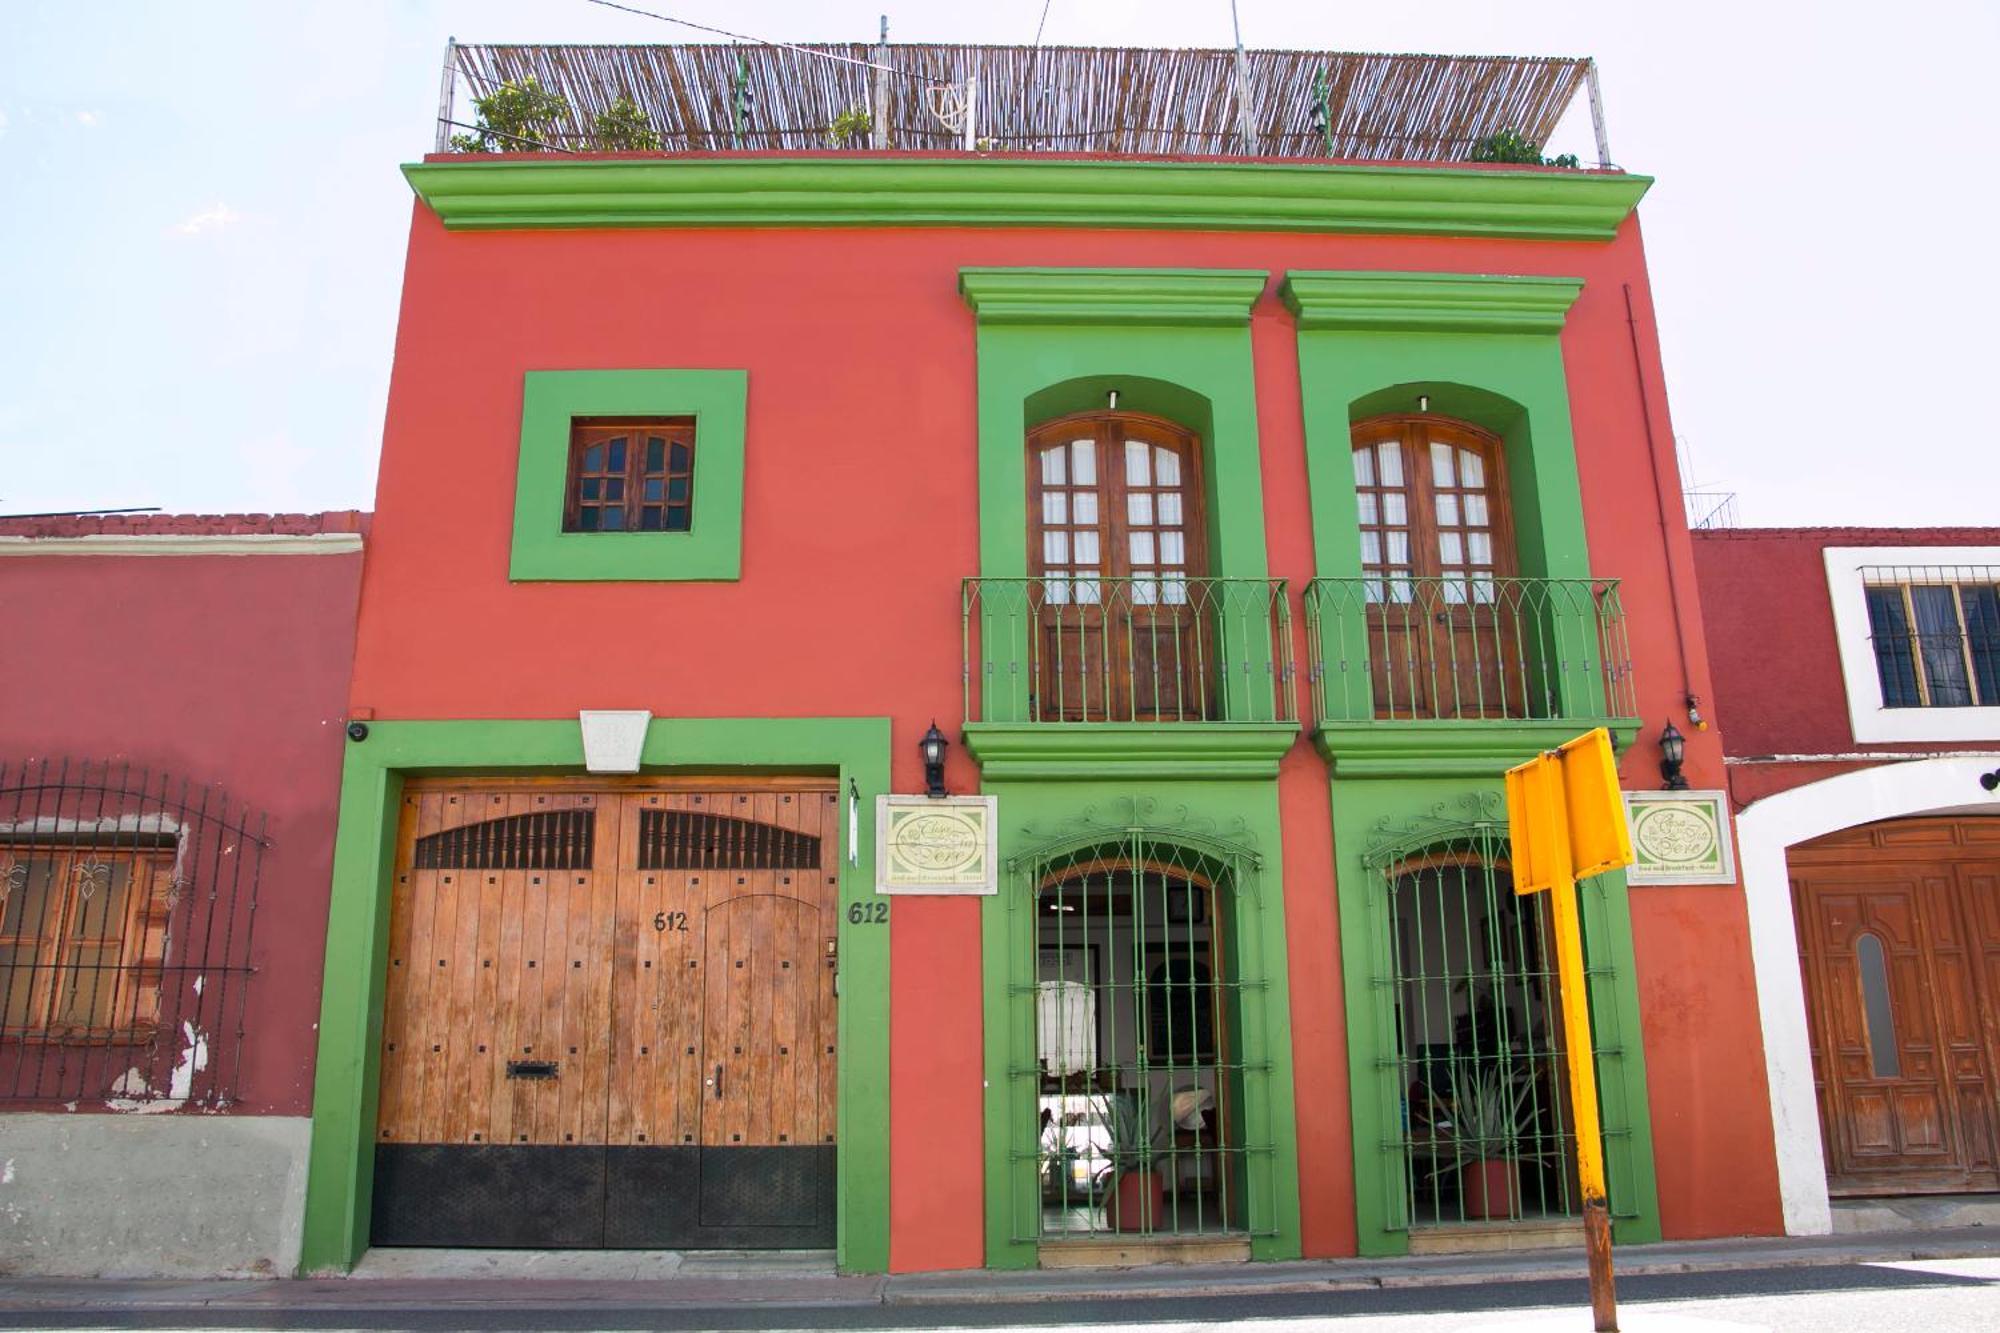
[(1487, 1130), (1140, 1063)]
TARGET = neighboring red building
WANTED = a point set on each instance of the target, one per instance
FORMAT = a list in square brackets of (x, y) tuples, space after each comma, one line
[(1857, 675), (172, 693), (1238, 520)]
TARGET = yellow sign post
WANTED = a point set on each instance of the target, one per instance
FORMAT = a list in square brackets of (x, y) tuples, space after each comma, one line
[(1566, 820)]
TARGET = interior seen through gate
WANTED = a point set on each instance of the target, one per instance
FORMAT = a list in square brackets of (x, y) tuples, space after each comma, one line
[(610, 1017), (1139, 1074)]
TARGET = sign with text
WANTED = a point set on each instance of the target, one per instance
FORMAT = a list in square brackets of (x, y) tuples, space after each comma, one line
[(947, 844), (1681, 837)]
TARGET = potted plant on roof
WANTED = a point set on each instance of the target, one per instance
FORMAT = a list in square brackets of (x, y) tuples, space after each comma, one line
[(1490, 1105), (1134, 1196)]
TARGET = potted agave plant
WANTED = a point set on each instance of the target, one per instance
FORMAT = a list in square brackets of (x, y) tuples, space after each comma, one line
[(1490, 1108), (1134, 1196)]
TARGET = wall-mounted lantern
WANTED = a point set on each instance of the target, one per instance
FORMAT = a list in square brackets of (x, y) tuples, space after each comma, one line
[(1673, 751), (932, 747)]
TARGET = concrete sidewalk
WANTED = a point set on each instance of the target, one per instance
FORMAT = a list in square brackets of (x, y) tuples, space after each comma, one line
[(776, 1290)]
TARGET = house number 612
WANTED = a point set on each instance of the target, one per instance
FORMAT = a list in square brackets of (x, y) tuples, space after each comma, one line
[(670, 921)]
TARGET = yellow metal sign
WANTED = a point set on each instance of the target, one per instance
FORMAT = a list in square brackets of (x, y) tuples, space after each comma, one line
[(1566, 820)]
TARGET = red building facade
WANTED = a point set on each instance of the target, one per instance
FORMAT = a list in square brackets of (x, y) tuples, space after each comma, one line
[(1854, 671), (170, 718)]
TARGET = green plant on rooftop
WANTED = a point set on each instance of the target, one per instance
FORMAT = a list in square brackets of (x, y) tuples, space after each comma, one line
[(1509, 146), (623, 128), (521, 117), (852, 127)]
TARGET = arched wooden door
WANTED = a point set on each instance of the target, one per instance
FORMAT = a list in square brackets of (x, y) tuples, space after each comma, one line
[(1117, 547), (1437, 554)]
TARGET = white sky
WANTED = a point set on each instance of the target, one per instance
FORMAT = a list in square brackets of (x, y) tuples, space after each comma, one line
[(202, 224)]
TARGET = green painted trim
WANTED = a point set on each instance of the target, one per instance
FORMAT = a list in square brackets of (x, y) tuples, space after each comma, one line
[(908, 191), (1073, 751), (712, 548), (340, 1172), (1240, 812), (1441, 749), (1429, 302), (1178, 297)]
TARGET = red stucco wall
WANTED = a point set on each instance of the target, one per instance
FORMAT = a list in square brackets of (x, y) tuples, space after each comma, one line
[(226, 670), (860, 519)]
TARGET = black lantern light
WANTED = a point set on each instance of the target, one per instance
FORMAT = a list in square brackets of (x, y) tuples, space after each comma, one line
[(932, 747), (1673, 750)]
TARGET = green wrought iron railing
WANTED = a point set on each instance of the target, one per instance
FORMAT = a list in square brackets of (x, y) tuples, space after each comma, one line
[(1142, 649), (1467, 649)]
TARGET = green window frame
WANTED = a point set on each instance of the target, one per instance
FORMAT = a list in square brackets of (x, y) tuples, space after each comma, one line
[(710, 550)]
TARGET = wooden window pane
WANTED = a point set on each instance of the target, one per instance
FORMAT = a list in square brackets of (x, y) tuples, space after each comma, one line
[(1085, 546), (1142, 548), (1083, 462), (593, 458), (650, 518), (654, 490), (677, 488), (1451, 550), (1138, 471), (614, 518), (656, 454), (1371, 549), (677, 518), (1389, 457), (1475, 511), (1479, 546), (1398, 548), (1139, 508), (1370, 510), (1471, 469), (27, 882), (1364, 466), (1085, 503), (1395, 508), (1055, 548), (1441, 463), (614, 457), (1173, 549), (682, 456), (1053, 472), (1166, 466), (1447, 510), (1055, 506)]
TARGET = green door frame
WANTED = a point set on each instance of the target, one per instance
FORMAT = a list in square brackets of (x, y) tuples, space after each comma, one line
[(340, 1172)]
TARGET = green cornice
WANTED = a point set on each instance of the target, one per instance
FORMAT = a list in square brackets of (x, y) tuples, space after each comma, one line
[(1058, 751), (1378, 749), (1176, 297), (1429, 302), (858, 191)]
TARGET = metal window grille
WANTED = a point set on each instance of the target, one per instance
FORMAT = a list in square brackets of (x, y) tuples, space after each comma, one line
[(542, 840), (1935, 630), (127, 906), (695, 840), (1140, 985), (1482, 1130)]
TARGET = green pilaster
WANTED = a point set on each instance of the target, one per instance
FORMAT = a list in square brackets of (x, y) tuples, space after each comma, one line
[(340, 1176)]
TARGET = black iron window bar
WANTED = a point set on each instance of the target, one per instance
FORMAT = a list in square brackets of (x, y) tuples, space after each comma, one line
[(127, 911)]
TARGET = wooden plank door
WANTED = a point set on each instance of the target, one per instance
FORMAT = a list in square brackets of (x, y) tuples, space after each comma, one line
[(491, 1114), (1889, 1000)]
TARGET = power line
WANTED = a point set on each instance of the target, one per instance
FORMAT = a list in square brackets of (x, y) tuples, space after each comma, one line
[(760, 41), (1044, 22)]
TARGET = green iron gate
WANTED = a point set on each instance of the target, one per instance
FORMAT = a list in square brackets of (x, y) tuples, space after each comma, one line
[(1136, 971), (1483, 1130)]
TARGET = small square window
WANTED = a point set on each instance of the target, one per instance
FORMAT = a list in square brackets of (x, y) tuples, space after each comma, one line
[(630, 475)]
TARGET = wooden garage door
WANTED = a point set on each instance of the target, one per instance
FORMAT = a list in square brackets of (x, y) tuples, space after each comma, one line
[(1899, 936), (609, 1018)]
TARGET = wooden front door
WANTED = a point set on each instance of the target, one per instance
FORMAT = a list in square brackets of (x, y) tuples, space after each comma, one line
[(1121, 601), (1899, 934), (609, 1018)]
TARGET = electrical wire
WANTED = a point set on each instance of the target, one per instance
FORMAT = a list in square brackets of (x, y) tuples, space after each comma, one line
[(1044, 23), (760, 41)]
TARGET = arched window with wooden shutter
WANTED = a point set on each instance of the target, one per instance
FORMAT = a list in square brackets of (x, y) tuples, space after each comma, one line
[(1437, 554), (1118, 551)]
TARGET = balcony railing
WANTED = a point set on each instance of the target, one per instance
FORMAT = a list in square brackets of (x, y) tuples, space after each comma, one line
[(1163, 649), (1468, 649)]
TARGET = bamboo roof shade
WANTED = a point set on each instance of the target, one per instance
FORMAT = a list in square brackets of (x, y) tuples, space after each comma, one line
[(1047, 99)]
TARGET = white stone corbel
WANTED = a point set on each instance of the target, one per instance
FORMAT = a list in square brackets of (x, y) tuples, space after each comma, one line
[(613, 738)]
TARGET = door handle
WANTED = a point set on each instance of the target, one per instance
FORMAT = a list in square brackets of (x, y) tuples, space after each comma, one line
[(716, 1082)]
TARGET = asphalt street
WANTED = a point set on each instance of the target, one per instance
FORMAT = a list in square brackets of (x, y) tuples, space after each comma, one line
[(1936, 1296)]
